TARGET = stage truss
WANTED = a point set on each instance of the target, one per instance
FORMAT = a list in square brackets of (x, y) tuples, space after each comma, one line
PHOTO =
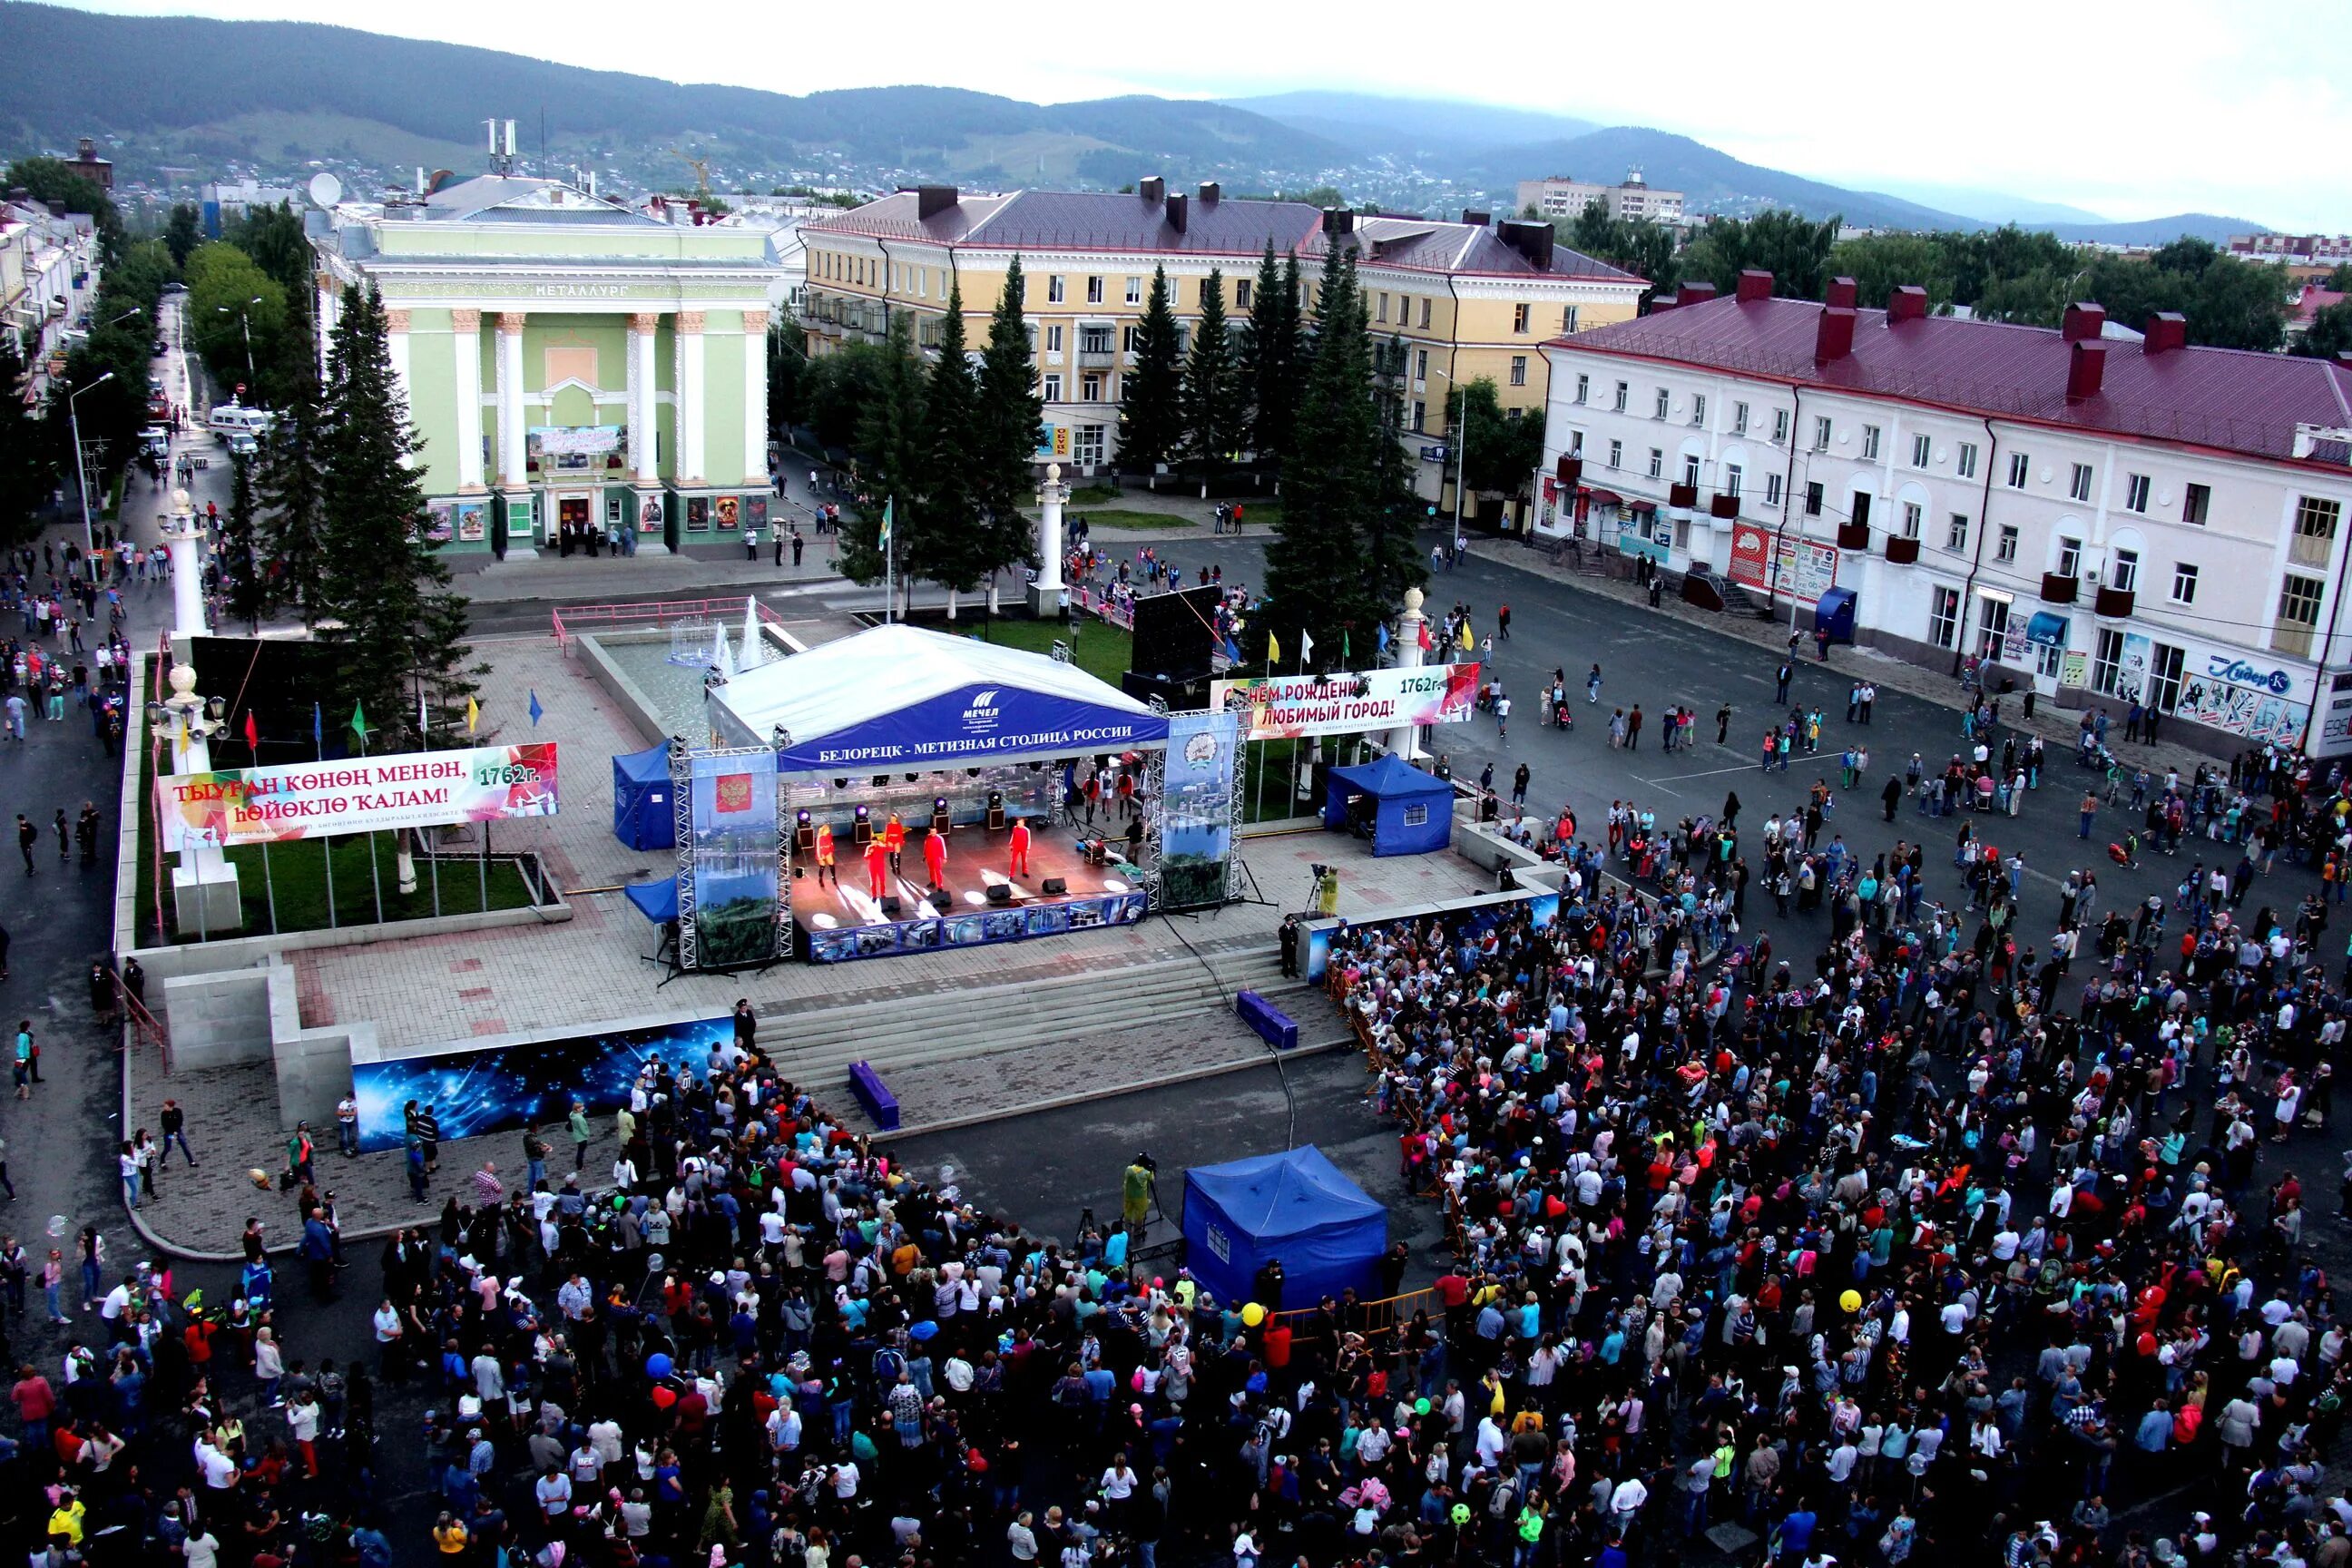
[(1155, 801)]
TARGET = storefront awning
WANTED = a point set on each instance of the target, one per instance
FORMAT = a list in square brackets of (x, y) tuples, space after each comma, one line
[(1642, 505), (2047, 628), (1598, 497)]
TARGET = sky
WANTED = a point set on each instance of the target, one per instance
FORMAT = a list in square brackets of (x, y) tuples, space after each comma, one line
[(2128, 108)]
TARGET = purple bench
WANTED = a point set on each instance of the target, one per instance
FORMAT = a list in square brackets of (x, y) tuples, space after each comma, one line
[(879, 1102), (1275, 1026)]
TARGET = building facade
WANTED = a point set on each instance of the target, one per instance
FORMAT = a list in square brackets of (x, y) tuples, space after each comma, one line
[(1557, 195), (1461, 301), (2108, 520), (573, 367), (48, 276)]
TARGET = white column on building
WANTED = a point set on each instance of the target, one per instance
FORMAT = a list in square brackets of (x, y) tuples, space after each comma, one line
[(466, 338), (755, 397), (692, 397), (644, 412), (395, 349), (512, 475), (1404, 741)]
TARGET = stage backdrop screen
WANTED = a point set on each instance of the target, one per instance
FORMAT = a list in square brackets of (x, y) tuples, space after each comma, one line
[(508, 1087), (1196, 830), (1278, 707), (733, 905), (357, 795)]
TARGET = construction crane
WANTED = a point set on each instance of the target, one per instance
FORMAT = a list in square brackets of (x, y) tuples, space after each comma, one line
[(702, 168)]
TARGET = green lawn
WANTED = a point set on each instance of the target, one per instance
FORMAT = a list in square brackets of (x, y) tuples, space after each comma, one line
[(1094, 495), (1120, 520), (1102, 650)]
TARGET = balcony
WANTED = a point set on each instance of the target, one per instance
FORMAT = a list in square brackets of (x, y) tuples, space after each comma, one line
[(1901, 551), (1094, 359), (2057, 590), (1726, 507), (2114, 604), (1682, 496), (1853, 536)]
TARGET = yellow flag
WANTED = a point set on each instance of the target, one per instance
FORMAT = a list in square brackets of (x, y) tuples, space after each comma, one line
[(1273, 649), (473, 714)]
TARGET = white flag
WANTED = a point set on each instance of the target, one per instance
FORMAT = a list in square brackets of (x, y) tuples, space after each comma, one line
[(1306, 645)]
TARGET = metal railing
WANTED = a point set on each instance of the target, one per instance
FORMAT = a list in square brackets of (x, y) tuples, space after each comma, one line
[(1385, 1316), (576, 618), (146, 1029)]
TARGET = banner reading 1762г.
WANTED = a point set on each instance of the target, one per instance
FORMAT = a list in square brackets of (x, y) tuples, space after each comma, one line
[(356, 795)]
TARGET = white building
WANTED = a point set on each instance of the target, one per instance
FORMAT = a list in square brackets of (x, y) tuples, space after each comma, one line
[(2108, 518), (1558, 195), (48, 274)]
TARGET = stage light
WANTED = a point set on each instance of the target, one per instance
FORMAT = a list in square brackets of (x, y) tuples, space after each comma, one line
[(939, 803), (823, 922), (841, 783), (974, 896), (861, 809), (804, 816), (881, 781), (971, 773), (914, 778), (1113, 885)]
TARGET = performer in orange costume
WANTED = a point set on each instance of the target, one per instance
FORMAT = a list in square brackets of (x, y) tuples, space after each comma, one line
[(893, 839), (1021, 849), (878, 866), (825, 867), (935, 858)]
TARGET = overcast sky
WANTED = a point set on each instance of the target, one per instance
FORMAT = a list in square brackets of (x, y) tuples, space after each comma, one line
[(2129, 108)]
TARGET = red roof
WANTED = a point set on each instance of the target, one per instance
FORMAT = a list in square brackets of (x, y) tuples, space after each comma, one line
[(2314, 299), (2228, 399)]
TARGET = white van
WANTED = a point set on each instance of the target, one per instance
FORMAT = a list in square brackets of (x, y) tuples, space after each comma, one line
[(228, 419)]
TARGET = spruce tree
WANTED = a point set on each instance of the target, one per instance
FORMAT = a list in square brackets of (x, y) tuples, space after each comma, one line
[(399, 633), (1010, 415), (1216, 424), (1270, 349), (944, 544), (245, 574), (291, 483), (889, 457), (1152, 415), (1393, 558), (1316, 566)]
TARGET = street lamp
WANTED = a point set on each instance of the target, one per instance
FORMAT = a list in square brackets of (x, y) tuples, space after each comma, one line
[(1458, 432), (81, 473), (245, 320)]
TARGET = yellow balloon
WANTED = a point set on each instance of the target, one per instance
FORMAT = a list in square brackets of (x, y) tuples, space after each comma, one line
[(1851, 1300), (1253, 1314)]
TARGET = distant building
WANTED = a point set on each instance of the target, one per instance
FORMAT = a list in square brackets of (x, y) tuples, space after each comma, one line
[(778, 218), (226, 204), (2325, 250), (2308, 304), (90, 166), (1558, 195), (48, 271)]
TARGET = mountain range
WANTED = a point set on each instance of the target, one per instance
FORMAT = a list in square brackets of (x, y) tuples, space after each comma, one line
[(165, 93)]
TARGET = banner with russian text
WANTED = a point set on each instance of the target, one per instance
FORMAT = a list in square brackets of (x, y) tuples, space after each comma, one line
[(1281, 707), (356, 795)]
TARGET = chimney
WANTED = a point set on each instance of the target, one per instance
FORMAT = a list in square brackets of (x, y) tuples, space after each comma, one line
[(1179, 212), (1476, 219), (2086, 369), (1338, 220), (1755, 284), (1842, 292), (1833, 338), (2165, 331), (1532, 240), (933, 200), (1152, 188), (1209, 193), (2083, 321), (1694, 293), (1907, 303)]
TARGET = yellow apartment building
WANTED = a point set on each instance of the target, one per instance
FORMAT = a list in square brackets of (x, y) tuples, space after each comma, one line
[(1461, 299)]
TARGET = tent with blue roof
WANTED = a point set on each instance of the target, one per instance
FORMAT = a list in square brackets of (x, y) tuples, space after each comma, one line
[(1402, 809), (1296, 1206)]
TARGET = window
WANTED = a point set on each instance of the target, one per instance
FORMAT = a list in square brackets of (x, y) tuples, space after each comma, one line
[(1583, 387), (2078, 484), (2298, 614), (1420, 365), (2136, 488), (2124, 577), (1869, 443), (1575, 443), (1381, 308), (1420, 413), (1519, 317), (1732, 476), (1812, 500), (2314, 539), (1780, 426), (1992, 626), (1944, 619), (2106, 660), (1088, 446), (1922, 448), (1616, 454), (1424, 315), (2049, 658), (1243, 289), (1657, 463), (1518, 370), (1097, 340), (1967, 466), (1771, 489), (1821, 432), (2005, 544), (1913, 515), (1621, 397), (2070, 557), (1092, 384), (1053, 339), (1698, 409), (1739, 419), (1053, 387), (2164, 665), (1567, 321), (2184, 582), (1054, 290), (1094, 291), (1956, 534), (1416, 815), (1135, 291), (2194, 501), (1658, 410), (2020, 468), (1690, 471)]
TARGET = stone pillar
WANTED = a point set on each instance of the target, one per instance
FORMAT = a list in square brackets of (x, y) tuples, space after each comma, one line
[(1404, 741), (512, 474), (692, 398), (395, 348), (645, 417), (204, 889), (1045, 594), (465, 329), (185, 541), (755, 398)]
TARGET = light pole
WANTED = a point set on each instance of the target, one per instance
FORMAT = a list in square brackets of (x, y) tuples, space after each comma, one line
[(82, 472), (1457, 431), (245, 320)]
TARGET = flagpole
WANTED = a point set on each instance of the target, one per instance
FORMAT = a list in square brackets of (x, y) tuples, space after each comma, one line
[(889, 557)]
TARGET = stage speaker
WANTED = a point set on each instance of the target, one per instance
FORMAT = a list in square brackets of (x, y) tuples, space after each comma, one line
[(941, 900), (1174, 634), (1057, 885), (999, 893), (891, 907)]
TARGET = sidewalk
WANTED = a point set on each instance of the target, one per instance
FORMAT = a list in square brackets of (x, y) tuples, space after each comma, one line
[(2057, 727)]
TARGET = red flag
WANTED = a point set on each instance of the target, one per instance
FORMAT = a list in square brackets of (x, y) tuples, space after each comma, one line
[(1425, 643), (252, 732)]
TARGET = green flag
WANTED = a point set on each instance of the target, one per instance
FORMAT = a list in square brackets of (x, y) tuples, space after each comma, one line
[(882, 535), (359, 722), (1344, 654)]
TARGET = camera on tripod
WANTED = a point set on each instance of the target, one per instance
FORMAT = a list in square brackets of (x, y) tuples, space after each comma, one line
[(1319, 869)]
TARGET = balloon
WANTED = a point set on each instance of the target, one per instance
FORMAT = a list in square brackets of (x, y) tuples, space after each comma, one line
[(1253, 1314), (924, 1330), (1420, 1407), (658, 1365), (664, 1396), (1460, 1514), (1851, 1300)]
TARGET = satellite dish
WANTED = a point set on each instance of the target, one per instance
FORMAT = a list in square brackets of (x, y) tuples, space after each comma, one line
[(325, 189)]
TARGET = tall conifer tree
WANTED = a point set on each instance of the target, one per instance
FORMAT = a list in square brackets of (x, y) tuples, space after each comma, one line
[(1010, 415), (1152, 415), (945, 542), (890, 454), (291, 483), (1215, 411)]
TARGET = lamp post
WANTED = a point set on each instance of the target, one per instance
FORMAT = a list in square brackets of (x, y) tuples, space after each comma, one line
[(81, 473), (204, 890), (245, 320), (1458, 431)]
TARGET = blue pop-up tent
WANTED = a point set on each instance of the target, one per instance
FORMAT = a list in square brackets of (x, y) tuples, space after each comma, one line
[(1410, 813), (657, 901), (643, 817), (1295, 1205)]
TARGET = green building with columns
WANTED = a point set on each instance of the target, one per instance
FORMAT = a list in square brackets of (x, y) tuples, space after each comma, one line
[(572, 365)]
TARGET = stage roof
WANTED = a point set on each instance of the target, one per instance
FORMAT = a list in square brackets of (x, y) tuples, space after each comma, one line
[(900, 698)]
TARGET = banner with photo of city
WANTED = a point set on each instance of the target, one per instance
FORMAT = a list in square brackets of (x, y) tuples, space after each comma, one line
[(1196, 830), (733, 905)]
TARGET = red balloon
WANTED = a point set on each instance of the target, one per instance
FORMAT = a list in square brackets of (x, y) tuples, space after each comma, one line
[(664, 1398)]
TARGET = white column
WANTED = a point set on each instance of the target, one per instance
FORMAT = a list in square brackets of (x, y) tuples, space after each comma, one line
[(1404, 741), (692, 403), (512, 475), (755, 398), (1050, 496), (644, 411), (466, 327), (395, 349), (184, 542)]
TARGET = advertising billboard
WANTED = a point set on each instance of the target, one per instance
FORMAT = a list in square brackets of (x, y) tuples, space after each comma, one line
[(356, 795), (1280, 706), (1196, 830), (1806, 569), (733, 902)]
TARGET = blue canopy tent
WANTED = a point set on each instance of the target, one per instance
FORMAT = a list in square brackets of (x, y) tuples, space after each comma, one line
[(657, 901), (643, 817), (1401, 809), (1295, 1206)]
